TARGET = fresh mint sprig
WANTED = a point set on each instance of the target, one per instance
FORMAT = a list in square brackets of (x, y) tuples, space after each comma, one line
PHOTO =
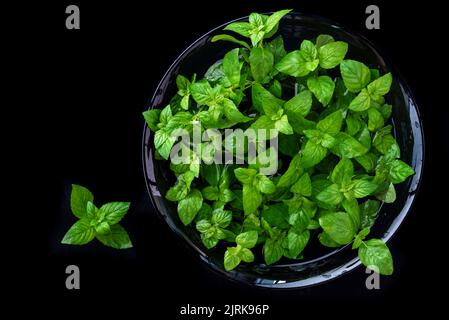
[(101, 223)]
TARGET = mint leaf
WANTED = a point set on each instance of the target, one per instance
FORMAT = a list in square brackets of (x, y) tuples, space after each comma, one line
[(303, 186), (232, 66), (380, 86), (297, 242), (231, 258), (117, 238), (338, 226), (189, 206), (247, 239), (113, 212), (332, 53), (375, 255), (361, 102), (274, 19), (293, 64), (355, 74), (312, 154), (79, 198), (400, 171), (226, 37), (348, 147), (368, 213), (152, 118), (299, 104), (331, 195), (322, 87), (261, 61), (242, 28), (332, 123), (80, 233), (273, 251)]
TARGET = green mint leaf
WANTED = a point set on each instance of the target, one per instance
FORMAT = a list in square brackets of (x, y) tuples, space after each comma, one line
[(323, 39), (367, 161), (210, 193), (332, 123), (232, 113), (331, 195), (189, 206), (293, 64), (368, 213), (247, 239), (203, 225), (265, 185), (264, 101), (181, 188), (272, 251), (221, 218), (343, 172), (152, 118), (164, 141), (252, 199), (312, 154), (276, 89), (400, 171), (276, 47), (242, 28), (166, 115), (299, 104), (117, 238), (332, 53), (375, 119), (310, 54), (103, 228), (231, 258), (327, 241), (338, 226), (225, 37), (375, 255), (245, 176), (261, 62), (303, 186), (347, 146), (182, 82), (361, 102), (384, 142), (363, 188), (296, 242), (276, 215), (388, 196), (79, 198), (232, 66), (80, 233), (113, 212), (356, 75), (351, 206), (322, 87), (380, 86), (358, 240), (246, 255), (294, 171), (273, 20), (202, 92), (282, 125)]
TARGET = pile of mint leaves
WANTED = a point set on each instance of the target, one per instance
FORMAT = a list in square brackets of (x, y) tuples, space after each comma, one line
[(338, 157)]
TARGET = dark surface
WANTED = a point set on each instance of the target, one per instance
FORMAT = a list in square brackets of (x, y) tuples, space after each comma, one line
[(89, 89)]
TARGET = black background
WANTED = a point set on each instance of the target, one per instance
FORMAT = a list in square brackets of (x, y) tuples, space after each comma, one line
[(88, 89)]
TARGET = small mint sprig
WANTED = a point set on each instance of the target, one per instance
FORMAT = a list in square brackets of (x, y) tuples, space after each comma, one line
[(101, 223)]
